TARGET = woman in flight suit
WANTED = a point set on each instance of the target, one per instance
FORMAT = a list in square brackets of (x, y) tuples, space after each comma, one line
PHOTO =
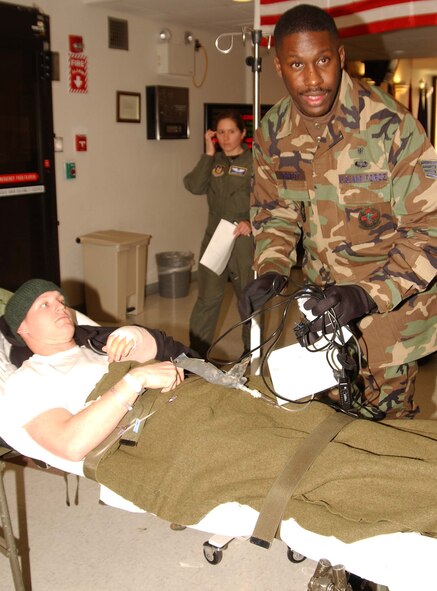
[(225, 176)]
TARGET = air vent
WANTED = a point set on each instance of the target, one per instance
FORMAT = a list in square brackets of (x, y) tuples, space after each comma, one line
[(118, 35)]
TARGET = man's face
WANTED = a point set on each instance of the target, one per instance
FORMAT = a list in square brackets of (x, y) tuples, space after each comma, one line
[(48, 321), (310, 65)]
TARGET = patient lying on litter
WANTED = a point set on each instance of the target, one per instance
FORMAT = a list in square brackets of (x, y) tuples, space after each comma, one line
[(43, 408), (202, 445)]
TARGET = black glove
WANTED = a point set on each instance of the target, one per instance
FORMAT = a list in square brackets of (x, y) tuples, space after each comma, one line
[(259, 291), (348, 302)]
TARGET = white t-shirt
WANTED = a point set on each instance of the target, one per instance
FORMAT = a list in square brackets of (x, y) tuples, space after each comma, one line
[(62, 380)]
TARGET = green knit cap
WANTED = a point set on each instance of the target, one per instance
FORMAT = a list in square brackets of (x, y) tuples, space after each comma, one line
[(20, 303)]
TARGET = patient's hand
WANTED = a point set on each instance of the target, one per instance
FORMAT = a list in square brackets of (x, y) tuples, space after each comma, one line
[(130, 343), (162, 375)]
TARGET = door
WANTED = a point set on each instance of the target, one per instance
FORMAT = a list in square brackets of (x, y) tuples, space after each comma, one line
[(28, 216)]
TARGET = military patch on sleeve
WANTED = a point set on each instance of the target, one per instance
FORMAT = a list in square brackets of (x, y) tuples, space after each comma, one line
[(218, 170), (429, 168)]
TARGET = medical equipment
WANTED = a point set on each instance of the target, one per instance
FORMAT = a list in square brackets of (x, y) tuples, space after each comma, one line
[(338, 358), (328, 356), (330, 348)]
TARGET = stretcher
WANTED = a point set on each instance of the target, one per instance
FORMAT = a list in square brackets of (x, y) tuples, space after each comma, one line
[(400, 561)]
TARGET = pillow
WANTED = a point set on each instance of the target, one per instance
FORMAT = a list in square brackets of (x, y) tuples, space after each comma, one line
[(6, 367), (83, 319), (5, 295)]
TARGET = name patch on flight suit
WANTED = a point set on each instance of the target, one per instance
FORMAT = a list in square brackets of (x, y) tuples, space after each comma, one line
[(218, 170), (429, 168), (237, 170)]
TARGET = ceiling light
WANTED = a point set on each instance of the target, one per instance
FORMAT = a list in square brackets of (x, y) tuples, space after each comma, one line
[(188, 37), (165, 35), (242, 0)]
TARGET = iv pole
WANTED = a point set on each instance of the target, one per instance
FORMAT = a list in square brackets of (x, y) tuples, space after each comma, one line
[(255, 62)]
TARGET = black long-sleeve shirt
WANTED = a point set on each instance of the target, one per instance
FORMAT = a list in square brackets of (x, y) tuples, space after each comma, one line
[(95, 337)]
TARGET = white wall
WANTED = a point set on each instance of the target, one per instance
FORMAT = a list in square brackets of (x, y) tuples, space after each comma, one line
[(125, 181), (272, 88)]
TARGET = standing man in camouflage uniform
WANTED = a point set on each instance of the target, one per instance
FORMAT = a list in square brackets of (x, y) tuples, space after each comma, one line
[(346, 167)]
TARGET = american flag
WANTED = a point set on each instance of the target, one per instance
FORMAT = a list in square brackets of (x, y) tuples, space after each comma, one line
[(361, 17)]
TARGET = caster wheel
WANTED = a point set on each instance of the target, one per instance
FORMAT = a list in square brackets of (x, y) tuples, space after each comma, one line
[(212, 555), (295, 556), (177, 527)]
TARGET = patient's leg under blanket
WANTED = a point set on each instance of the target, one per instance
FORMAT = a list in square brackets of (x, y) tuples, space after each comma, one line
[(213, 445)]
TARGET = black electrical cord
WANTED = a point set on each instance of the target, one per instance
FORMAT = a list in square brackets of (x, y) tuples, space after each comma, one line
[(333, 344), (276, 333)]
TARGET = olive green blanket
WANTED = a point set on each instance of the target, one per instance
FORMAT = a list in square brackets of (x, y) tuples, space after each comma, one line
[(212, 444)]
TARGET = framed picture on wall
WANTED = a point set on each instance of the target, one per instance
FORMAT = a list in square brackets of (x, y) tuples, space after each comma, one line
[(128, 107), (211, 110)]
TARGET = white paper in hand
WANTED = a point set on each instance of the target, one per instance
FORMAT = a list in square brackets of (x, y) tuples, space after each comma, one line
[(219, 250)]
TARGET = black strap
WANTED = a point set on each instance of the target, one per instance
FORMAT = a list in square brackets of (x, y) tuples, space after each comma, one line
[(285, 484)]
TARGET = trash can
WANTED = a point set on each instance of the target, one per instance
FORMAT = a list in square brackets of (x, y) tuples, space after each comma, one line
[(174, 273), (115, 265)]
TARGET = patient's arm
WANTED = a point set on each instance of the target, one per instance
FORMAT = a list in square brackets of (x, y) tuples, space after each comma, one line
[(72, 436), (131, 343), (162, 347)]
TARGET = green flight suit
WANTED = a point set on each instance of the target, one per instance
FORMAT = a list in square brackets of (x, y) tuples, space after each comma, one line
[(226, 181)]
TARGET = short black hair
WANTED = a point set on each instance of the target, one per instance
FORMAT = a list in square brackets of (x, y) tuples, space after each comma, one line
[(301, 19)]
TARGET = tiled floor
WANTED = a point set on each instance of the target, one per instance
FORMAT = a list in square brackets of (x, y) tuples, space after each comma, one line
[(91, 547)]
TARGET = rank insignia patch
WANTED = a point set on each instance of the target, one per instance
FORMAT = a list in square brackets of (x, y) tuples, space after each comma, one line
[(429, 168), (218, 170), (368, 217)]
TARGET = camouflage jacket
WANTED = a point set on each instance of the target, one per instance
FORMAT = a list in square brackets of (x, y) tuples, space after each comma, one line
[(364, 199)]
